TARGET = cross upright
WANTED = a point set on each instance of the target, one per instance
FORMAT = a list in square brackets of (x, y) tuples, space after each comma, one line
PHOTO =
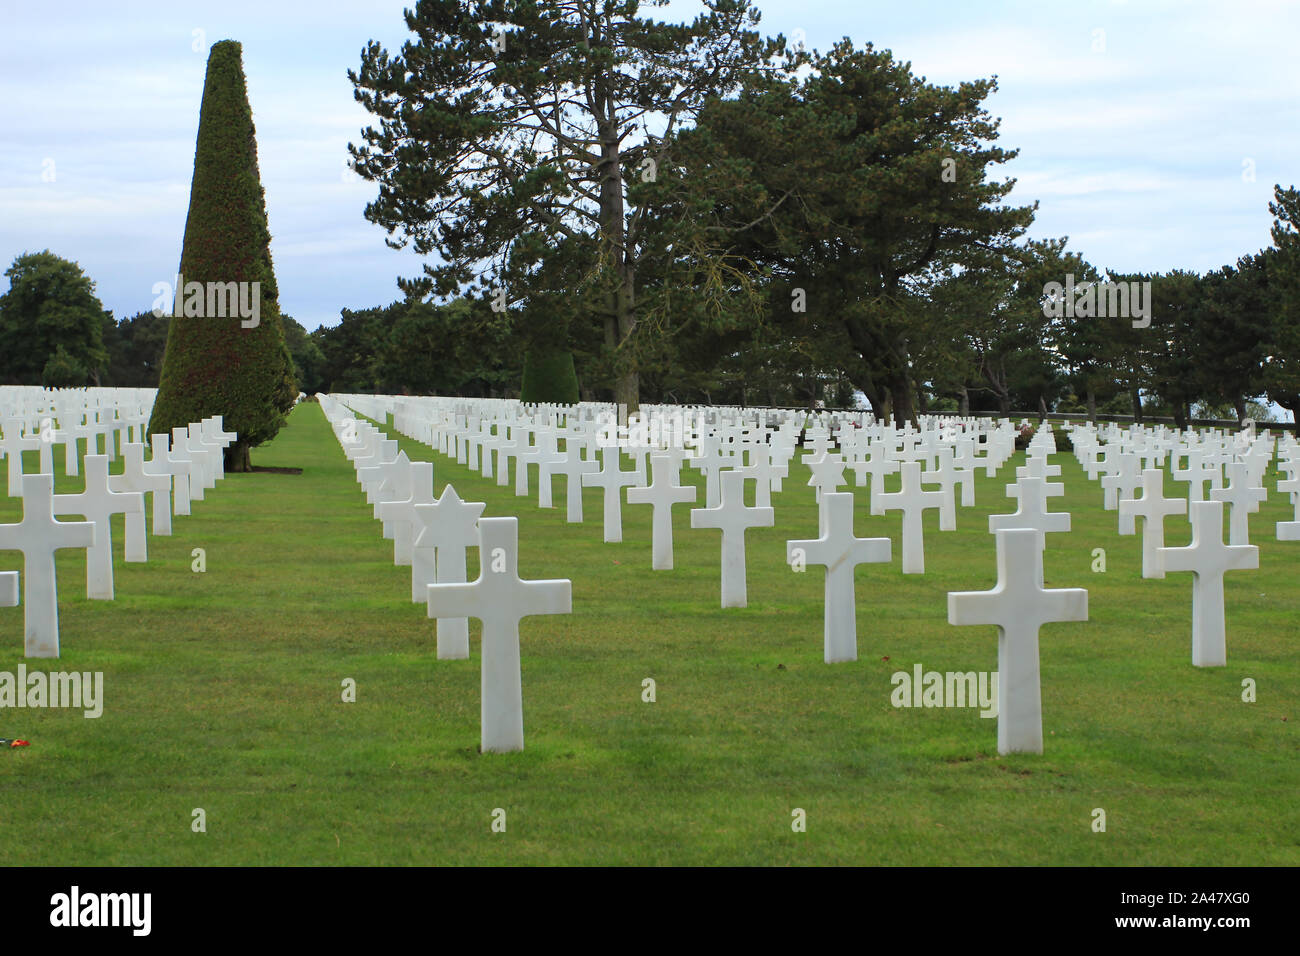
[(1019, 605), (1196, 474), (548, 459), (879, 463), (613, 480), (912, 501), (399, 513), (762, 469), (945, 476), (97, 504), (841, 553), (394, 484), (500, 599), (711, 460), (159, 487), (1207, 557), (662, 493), (1152, 508), (1290, 530), (38, 536), (1031, 496), (12, 444), (733, 517), (573, 466), (447, 529), (1121, 484), (200, 460), (1243, 497), (162, 462)]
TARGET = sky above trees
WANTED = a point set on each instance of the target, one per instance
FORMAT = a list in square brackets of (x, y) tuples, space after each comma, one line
[(1153, 145)]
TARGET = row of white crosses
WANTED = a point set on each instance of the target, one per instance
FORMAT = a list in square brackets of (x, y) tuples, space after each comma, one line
[(39, 535), (1020, 573), (1207, 557), (433, 536), (758, 450)]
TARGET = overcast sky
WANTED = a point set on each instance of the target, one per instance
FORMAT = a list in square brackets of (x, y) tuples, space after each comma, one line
[(1151, 133)]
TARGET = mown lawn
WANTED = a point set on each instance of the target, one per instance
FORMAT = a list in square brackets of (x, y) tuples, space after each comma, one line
[(223, 691)]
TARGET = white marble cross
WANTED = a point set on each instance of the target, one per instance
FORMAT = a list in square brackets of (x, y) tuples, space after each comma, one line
[(97, 504), (733, 517), (185, 472), (662, 493), (912, 501), (876, 467), (1019, 605), (945, 476), (38, 536), (1207, 557), (1122, 484), (158, 487), (573, 467), (1290, 530), (1031, 496), (399, 513), (763, 470), (1196, 474), (613, 480), (500, 599), (841, 553), (1244, 499), (1152, 508), (448, 528), (12, 444)]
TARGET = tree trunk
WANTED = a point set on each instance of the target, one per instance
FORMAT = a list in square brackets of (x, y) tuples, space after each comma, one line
[(237, 457), (1135, 397), (963, 407), (1092, 406), (1240, 405)]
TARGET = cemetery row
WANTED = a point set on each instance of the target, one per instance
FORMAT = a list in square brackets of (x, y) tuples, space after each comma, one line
[(173, 471), (587, 446)]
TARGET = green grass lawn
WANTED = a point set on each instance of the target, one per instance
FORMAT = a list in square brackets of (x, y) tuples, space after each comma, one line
[(223, 691)]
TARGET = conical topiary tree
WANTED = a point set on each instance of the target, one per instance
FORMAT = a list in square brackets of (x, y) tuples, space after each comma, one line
[(549, 376), (219, 363)]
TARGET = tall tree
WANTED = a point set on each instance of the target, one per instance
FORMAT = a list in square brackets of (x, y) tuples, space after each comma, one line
[(216, 362), (50, 309), (506, 125), (1281, 366), (865, 186)]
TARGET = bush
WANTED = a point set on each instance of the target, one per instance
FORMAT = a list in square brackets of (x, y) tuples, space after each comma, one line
[(549, 376)]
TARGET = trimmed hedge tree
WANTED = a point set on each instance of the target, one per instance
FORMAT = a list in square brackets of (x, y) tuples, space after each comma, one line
[(219, 361), (549, 376)]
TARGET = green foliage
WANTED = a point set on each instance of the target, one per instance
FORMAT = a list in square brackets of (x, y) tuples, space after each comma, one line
[(414, 347), (50, 308), (308, 359), (135, 351), (213, 365), (549, 376), (63, 371), (835, 187), (495, 146)]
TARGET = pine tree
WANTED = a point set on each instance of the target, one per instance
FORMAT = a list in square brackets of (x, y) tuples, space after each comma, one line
[(216, 362)]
